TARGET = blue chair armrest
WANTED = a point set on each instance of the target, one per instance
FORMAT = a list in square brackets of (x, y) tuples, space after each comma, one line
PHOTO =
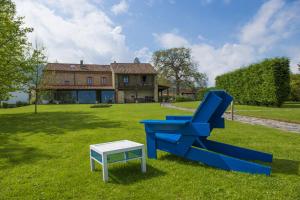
[(165, 122), (179, 117)]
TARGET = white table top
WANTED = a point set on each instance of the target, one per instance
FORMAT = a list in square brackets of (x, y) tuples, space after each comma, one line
[(116, 146)]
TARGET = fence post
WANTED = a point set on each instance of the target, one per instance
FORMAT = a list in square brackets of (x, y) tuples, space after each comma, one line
[(232, 108)]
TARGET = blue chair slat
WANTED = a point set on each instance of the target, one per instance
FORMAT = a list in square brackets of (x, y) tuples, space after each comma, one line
[(158, 122), (186, 136), (179, 117), (207, 108), (226, 100)]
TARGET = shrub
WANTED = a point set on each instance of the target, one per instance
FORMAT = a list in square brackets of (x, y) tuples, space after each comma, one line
[(101, 106), (183, 99), (264, 83), (21, 103), (295, 87), (202, 91), (6, 105)]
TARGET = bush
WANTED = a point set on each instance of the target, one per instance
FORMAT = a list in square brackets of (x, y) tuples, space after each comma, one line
[(202, 91), (295, 87), (183, 99), (264, 83), (20, 104), (6, 105), (101, 106)]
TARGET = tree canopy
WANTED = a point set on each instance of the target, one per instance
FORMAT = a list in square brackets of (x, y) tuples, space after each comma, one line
[(177, 66), (16, 53)]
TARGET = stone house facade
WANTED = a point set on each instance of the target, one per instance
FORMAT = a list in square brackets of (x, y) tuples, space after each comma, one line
[(92, 83)]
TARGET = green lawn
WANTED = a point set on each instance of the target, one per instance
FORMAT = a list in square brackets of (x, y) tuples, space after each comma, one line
[(289, 112), (46, 156)]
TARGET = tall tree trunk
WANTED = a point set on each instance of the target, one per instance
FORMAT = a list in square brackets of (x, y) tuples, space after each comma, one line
[(177, 87), (36, 90), (36, 102)]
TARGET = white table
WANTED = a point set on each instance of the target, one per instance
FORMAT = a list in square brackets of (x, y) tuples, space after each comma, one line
[(118, 151)]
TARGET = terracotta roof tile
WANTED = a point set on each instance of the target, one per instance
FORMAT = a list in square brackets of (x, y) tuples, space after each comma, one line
[(133, 68), (76, 67)]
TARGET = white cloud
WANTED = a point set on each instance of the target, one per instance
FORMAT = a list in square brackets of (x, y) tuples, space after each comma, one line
[(144, 54), (274, 21), (294, 54), (201, 37), (74, 31), (218, 60), (211, 60), (120, 8), (170, 40), (271, 24)]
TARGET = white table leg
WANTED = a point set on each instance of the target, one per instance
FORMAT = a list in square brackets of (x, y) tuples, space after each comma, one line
[(143, 160), (125, 155), (92, 163), (104, 168)]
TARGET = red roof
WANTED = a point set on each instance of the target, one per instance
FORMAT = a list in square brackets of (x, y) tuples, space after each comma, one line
[(133, 68), (76, 67)]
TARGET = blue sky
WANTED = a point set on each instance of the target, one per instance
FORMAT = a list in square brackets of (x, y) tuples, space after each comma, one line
[(222, 34)]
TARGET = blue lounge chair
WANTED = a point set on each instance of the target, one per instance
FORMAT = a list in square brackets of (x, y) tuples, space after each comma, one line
[(186, 136)]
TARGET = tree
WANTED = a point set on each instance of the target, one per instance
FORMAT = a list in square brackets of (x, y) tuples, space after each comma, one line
[(298, 67), (177, 66), (14, 50), (136, 60), (37, 62)]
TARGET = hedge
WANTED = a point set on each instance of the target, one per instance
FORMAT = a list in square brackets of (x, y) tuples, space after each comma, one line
[(295, 87), (264, 83)]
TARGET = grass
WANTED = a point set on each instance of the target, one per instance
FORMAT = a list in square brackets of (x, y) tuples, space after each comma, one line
[(289, 112), (46, 156)]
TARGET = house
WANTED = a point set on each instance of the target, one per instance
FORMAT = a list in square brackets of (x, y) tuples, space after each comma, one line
[(135, 82), (93, 83)]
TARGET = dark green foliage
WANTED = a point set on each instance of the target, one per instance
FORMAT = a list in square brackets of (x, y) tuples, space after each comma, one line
[(101, 106), (295, 87), (21, 103), (6, 105), (183, 99), (264, 83), (202, 91)]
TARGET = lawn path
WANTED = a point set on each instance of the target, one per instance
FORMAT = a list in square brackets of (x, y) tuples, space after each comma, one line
[(286, 126)]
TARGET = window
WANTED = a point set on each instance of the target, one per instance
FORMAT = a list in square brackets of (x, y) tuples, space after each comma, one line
[(67, 82), (90, 81), (144, 79), (125, 80), (103, 80)]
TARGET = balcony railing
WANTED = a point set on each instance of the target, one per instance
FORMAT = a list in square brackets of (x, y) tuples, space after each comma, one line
[(134, 86), (75, 86)]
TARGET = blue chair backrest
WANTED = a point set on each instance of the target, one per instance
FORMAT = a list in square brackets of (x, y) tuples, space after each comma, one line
[(212, 107)]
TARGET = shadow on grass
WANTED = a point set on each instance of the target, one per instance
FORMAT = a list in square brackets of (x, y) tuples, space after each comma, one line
[(13, 152), (18, 154), (291, 105), (130, 173), (284, 166), (180, 160), (52, 122)]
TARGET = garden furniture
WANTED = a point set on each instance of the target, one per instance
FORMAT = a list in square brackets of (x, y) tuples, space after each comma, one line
[(117, 151), (187, 136)]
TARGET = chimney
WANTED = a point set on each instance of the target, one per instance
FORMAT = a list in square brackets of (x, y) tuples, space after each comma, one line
[(81, 63), (115, 62)]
